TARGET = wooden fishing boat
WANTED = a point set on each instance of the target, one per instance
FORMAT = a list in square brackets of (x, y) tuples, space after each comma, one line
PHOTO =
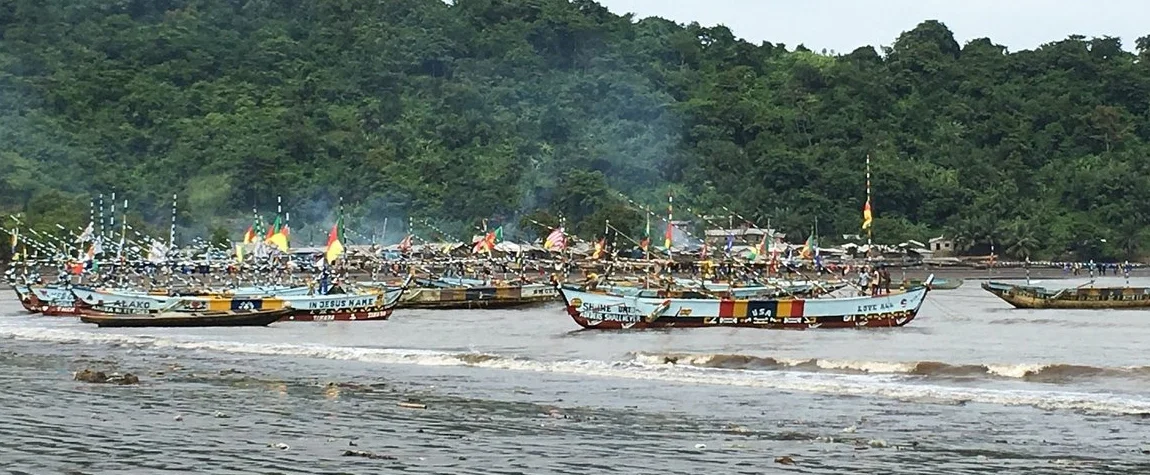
[(602, 310), (503, 296), (54, 300), (104, 302), (343, 307), (225, 318), (1029, 296)]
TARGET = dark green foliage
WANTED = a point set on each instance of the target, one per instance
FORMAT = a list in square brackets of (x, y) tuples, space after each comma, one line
[(547, 108)]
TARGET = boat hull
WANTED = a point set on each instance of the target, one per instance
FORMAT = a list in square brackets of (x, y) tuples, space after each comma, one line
[(232, 318), (105, 302), (1098, 298), (478, 297), (51, 300), (612, 312), (351, 307)]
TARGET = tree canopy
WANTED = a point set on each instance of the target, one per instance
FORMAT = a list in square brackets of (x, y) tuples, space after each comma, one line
[(486, 109)]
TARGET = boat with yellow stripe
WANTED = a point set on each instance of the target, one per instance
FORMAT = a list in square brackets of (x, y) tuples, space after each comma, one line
[(105, 302), (599, 309)]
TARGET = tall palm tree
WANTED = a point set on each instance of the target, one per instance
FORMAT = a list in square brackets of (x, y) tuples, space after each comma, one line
[(1020, 239)]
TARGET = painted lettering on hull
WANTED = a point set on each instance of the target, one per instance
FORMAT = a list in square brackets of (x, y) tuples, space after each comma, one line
[(340, 303)]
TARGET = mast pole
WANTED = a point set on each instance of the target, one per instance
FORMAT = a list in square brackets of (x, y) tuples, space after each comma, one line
[(172, 231), (868, 204), (101, 215), (670, 220), (112, 217), (647, 251)]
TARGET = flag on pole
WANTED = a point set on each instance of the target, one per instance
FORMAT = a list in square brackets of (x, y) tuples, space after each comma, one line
[(600, 248), (250, 235), (335, 241), (484, 243), (86, 235), (809, 248), (277, 236), (556, 241), (867, 215)]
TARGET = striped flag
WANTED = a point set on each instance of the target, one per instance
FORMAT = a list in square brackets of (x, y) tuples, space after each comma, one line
[(556, 241)]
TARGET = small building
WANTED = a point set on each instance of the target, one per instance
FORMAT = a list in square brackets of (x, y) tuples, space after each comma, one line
[(745, 236), (941, 246)]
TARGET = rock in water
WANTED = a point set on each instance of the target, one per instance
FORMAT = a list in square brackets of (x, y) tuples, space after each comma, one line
[(125, 379), (89, 376), (784, 460)]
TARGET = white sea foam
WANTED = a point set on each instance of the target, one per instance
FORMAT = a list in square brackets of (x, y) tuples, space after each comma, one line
[(648, 368)]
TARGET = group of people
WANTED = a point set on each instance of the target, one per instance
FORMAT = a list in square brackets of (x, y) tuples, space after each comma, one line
[(1101, 268), (874, 281)]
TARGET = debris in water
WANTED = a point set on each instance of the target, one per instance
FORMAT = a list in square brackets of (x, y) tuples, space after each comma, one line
[(738, 429), (366, 454), (179, 418), (785, 460), (125, 379), (700, 446), (281, 446), (220, 415), (412, 405), (851, 429), (99, 377), (877, 443)]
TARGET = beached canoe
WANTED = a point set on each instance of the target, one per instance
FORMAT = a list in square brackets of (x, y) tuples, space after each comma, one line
[(603, 310), (224, 318), (1031, 296)]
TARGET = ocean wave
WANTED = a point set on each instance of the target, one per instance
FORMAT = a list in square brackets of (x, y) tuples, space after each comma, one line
[(1031, 372), (729, 370)]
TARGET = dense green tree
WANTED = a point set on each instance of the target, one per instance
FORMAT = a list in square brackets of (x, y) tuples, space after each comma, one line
[(483, 109)]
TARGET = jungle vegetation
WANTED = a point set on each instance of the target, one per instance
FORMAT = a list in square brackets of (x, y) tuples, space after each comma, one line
[(504, 109)]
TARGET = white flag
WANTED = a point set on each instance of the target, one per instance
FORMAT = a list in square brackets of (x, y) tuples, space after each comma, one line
[(87, 234)]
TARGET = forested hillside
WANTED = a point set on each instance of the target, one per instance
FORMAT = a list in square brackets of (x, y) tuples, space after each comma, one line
[(498, 109)]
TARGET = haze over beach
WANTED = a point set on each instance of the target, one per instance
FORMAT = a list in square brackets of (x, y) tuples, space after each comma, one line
[(843, 25)]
